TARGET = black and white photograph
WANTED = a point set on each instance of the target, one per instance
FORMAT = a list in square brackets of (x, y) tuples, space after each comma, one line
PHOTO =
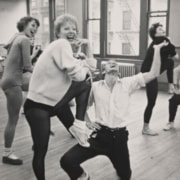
[(89, 90)]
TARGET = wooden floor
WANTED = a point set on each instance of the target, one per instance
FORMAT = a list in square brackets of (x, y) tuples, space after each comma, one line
[(152, 158)]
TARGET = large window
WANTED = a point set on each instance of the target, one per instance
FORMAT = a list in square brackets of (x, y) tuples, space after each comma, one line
[(119, 28), (124, 21), (46, 11)]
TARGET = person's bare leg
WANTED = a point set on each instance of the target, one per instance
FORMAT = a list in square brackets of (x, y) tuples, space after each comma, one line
[(14, 102)]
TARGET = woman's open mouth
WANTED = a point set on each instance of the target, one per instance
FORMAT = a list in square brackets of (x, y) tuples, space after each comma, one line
[(70, 38)]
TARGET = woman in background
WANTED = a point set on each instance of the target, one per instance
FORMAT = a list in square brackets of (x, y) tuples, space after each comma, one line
[(168, 55), (18, 61)]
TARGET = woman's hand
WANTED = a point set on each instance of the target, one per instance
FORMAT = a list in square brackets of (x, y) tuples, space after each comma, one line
[(79, 42), (80, 55), (35, 51), (164, 43)]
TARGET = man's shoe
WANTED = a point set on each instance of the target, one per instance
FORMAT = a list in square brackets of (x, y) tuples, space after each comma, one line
[(148, 131), (169, 126), (12, 160)]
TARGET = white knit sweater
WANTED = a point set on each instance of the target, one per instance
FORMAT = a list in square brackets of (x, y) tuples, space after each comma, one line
[(54, 72)]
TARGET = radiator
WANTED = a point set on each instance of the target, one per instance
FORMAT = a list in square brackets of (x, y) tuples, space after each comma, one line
[(125, 69)]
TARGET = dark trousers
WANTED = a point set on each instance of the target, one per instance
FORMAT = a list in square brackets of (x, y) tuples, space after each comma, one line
[(152, 89), (38, 116), (108, 142), (174, 101)]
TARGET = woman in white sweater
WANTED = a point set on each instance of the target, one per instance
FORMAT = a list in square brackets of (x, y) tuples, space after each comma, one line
[(57, 78)]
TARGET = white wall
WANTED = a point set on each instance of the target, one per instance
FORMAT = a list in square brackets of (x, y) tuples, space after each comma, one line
[(10, 12)]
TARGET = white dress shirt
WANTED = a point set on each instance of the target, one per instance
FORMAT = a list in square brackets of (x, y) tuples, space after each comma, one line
[(111, 107)]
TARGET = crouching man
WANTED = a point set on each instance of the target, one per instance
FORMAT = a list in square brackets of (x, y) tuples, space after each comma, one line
[(111, 98)]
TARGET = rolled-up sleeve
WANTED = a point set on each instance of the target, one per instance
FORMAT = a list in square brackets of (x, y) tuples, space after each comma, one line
[(134, 82)]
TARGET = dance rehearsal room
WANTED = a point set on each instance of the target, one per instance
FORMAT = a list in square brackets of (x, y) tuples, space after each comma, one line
[(89, 90)]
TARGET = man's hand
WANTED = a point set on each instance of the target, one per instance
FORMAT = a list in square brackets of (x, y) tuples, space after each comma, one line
[(93, 126)]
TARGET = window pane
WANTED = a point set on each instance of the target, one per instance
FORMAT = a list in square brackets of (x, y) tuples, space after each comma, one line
[(40, 10), (94, 9), (123, 21), (94, 35), (159, 5), (45, 3), (126, 48), (60, 7)]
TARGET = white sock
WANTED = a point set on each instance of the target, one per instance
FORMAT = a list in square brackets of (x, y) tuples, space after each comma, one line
[(7, 151), (146, 126)]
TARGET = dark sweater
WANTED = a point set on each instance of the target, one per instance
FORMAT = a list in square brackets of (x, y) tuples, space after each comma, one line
[(166, 52)]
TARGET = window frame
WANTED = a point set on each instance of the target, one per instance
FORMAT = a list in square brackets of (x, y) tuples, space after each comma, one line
[(143, 33), (150, 14), (52, 15)]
